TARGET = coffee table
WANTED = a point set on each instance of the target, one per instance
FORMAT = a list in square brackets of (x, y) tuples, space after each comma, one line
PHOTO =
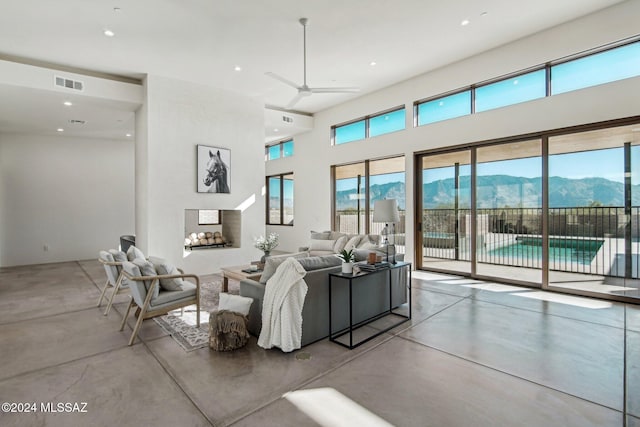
[(236, 273)]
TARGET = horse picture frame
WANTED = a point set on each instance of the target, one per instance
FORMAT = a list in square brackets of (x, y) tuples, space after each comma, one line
[(214, 169)]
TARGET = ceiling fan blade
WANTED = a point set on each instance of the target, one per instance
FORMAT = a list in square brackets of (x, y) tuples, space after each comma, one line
[(334, 89), (282, 79), (295, 100)]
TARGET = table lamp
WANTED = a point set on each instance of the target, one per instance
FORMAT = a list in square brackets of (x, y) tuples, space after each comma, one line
[(387, 211)]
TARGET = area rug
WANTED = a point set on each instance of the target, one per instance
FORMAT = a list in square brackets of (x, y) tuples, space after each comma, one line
[(182, 327)]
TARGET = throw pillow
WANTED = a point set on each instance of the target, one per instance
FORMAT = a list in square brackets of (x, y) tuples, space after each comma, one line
[(147, 269), (272, 263), (134, 253), (335, 235), (118, 256), (353, 242), (235, 303), (339, 246), (367, 245), (164, 268), (320, 235), (322, 245)]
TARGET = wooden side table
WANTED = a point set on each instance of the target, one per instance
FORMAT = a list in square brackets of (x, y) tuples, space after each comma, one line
[(236, 273)]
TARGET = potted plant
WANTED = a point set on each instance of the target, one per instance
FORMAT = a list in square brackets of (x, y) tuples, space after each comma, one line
[(348, 257)]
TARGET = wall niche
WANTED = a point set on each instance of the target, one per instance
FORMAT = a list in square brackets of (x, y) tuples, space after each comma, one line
[(212, 228)]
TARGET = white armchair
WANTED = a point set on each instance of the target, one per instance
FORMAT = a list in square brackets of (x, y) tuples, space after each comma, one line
[(153, 299)]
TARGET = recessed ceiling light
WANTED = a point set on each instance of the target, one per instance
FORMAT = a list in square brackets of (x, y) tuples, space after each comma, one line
[(109, 33), (60, 130), (373, 63), (276, 130), (117, 9), (68, 103), (484, 13), (465, 22), (237, 68), (128, 135)]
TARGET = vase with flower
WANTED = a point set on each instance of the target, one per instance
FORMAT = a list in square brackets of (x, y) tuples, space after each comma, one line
[(266, 244)]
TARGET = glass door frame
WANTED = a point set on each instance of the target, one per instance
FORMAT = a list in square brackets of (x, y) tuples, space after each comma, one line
[(545, 262)]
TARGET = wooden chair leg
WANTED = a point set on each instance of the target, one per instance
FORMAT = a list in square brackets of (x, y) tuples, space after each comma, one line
[(116, 288), (124, 318), (137, 327), (104, 290), (198, 313)]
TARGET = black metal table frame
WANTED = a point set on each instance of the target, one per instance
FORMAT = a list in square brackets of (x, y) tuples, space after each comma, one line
[(333, 336)]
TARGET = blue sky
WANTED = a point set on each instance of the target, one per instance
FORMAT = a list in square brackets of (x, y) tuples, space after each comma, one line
[(606, 164)]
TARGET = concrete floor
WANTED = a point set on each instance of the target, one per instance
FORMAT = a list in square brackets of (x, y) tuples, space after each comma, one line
[(474, 354)]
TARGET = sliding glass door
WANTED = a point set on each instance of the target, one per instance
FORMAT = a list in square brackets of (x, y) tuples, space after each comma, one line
[(556, 211), (594, 200), (445, 198), (509, 211)]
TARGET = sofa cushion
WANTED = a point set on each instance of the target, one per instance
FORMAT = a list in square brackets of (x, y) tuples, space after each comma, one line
[(320, 262), (272, 263)]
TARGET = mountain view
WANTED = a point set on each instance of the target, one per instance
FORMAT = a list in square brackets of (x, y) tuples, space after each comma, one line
[(497, 191)]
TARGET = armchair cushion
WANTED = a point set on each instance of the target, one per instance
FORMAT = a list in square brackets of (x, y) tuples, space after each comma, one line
[(188, 291), (111, 270)]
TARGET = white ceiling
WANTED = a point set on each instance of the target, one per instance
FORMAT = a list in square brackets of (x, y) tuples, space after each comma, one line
[(203, 40)]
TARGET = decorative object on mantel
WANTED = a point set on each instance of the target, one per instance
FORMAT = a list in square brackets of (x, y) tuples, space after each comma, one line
[(205, 240), (387, 211), (213, 169), (266, 244), (347, 257)]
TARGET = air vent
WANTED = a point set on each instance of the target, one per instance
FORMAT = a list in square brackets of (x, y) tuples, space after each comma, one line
[(69, 84), (287, 119), (77, 122)]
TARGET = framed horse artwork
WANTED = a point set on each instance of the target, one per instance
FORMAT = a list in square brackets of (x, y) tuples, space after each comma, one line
[(213, 169)]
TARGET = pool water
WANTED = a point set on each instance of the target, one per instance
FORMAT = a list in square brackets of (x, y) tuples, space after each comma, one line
[(560, 250)]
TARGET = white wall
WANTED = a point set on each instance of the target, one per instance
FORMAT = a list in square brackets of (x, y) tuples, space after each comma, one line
[(73, 194), (314, 155), (178, 116)]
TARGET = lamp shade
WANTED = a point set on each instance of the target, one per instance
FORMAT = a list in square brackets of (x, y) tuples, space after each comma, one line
[(386, 211)]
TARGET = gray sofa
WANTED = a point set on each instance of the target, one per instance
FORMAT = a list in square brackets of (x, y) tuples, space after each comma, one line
[(371, 296)]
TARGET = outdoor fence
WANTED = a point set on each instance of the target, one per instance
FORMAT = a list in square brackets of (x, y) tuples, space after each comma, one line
[(589, 240)]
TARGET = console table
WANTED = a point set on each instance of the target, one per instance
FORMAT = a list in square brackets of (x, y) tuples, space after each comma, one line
[(344, 287)]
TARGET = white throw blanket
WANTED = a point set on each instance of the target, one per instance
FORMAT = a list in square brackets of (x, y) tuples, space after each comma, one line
[(282, 307)]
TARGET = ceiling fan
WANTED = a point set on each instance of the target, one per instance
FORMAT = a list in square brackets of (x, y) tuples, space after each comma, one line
[(304, 90)]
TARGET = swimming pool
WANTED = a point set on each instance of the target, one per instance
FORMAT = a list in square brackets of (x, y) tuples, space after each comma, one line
[(560, 250)]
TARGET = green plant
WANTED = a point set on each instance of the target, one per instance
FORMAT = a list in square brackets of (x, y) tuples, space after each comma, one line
[(347, 255)]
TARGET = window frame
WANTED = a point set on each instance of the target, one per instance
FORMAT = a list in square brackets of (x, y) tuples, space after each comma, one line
[(548, 67), (280, 145), (366, 119), (281, 178)]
